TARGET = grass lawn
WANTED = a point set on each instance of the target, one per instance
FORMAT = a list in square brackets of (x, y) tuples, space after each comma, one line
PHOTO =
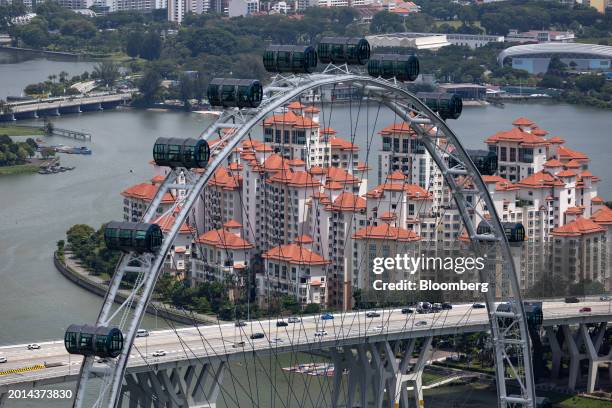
[(19, 169), (566, 401), (430, 378), (455, 23), (12, 130)]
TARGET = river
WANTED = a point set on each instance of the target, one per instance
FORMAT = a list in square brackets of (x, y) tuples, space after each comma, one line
[(38, 303)]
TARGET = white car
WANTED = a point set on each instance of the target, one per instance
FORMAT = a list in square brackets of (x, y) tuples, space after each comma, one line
[(142, 333), (33, 346), (159, 353), (421, 323), (320, 333), (3, 359), (605, 298)]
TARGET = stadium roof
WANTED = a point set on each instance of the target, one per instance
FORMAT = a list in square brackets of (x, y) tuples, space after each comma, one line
[(604, 51)]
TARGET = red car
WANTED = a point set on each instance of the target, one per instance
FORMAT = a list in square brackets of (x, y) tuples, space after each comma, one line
[(585, 310)]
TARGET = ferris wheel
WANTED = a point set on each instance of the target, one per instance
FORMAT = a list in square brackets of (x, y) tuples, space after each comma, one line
[(399, 181)]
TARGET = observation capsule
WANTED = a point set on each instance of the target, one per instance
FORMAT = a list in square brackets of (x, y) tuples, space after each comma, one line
[(400, 67), (514, 231), (484, 160), (448, 106), (189, 153), (89, 340), (234, 92), (343, 50), (290, 58), (133, 236)]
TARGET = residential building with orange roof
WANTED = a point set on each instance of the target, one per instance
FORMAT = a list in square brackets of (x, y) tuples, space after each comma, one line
[(220, 254), (293, 269), (136, 200), (383, 241), (580, 252), (179, 256)]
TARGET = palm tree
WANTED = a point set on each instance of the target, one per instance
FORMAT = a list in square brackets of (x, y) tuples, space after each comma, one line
[(62, 76), (107, 72), (52, 77)]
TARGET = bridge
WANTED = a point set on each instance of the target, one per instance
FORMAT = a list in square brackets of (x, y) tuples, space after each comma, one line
[(62, 105), (191, 371)]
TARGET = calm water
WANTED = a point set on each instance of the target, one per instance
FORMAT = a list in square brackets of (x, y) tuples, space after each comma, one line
[(37, 303), (18, 70)]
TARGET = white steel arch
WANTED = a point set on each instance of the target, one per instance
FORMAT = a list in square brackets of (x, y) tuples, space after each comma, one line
[(509, 329)]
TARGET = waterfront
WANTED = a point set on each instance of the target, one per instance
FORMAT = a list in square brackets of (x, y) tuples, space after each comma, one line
[(37, 302)]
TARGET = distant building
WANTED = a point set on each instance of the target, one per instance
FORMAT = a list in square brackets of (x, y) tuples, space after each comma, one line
[(238, 8), (474, 40), (178, 8), (535, 58), (465, 91), (420, 41), (540, 36)]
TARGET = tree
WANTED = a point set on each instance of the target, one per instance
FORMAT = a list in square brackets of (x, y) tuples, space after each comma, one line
[(587, 287), (149, 86), (134, 43), (63, 76), (151, 46), (107, 72), (590, 82), (551, 81), (49, 128), (385, 22)]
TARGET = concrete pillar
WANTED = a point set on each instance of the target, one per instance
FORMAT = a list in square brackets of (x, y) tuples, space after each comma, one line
[(593, 344), (557, 352), (573, 345)]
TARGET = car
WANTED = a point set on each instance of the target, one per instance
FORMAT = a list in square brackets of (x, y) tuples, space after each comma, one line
[(424, 305), (372, 314), (327, 316), (572, 299), (407, 310), (102, 360), (320, 333), (3, 359), (447, 306), (605, 298), (478, 306), (142, 333), (255, 336), (421, 323), (282, 323), (159, 353), (293, 319), (240, 323), (436, 309), (238, 344), (33, 346), (585, 310)]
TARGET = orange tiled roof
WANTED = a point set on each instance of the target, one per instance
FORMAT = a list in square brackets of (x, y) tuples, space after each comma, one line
[(296, 105), (299, 179), (586, 173), (232, 224), (275, 162), (574, 211), (501, 184), (556, 140), (223, 239), (348, 202), (304, 239), (603, 216), (386, 232), (311, 109), (522, 121), (165, 222), (597, 199), (516, 135), (541, 179), (566, 173), (397, 128), (413, 191), (397, 176), (539, 132), (290, 118), (146, 192), (573, 164), (388, 216), (569, 154), (553, 163), (580, 226), (342, 144), (340, 175), (328, 131), (223, 179), (295, 254)]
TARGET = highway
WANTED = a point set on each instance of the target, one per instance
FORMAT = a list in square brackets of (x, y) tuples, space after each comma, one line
[(220, 341)]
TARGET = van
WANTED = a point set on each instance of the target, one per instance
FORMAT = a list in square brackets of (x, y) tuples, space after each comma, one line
[(142, 333)]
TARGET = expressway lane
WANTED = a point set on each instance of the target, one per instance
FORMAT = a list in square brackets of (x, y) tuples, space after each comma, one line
[(219, 340)]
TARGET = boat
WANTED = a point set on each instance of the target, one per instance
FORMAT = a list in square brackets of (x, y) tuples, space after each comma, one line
[(209, 112)]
